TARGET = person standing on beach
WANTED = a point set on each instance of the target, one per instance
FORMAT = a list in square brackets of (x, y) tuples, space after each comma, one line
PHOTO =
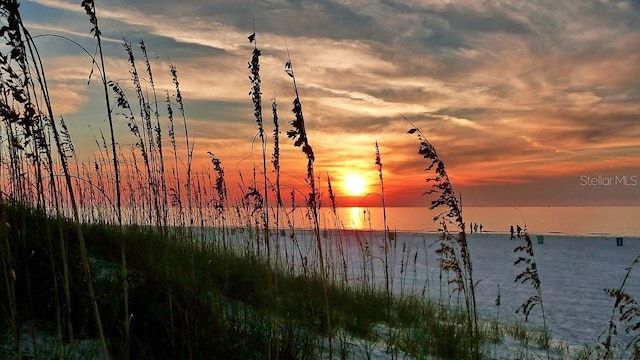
[(519, 230), (511, 231), (480, 227)]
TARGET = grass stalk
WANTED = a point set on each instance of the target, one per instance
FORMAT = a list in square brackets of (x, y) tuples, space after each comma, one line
[(629, 313), (299, 134), (530, 275), (158, 134), (179, 101), (176, 193), (146, 141), (386, 230), (90, 9), (76, 216), (453, 252), (256, 98), (26, 57)]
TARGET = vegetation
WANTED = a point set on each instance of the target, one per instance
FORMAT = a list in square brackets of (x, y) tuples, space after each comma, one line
[(530, 275), (229, 292), (453, 248), (139, 256), (628, 311)]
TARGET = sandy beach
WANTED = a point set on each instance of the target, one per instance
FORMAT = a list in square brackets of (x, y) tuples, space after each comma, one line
[(573, 270)]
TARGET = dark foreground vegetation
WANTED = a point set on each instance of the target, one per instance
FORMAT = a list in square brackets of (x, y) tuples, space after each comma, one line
[(194, 300)]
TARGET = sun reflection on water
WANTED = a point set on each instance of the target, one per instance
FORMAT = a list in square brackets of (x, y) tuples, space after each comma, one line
[(356, 217)]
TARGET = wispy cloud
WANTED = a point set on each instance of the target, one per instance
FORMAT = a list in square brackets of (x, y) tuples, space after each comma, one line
[(509, 91)]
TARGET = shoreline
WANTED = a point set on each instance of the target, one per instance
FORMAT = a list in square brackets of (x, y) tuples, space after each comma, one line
[(430, 232)]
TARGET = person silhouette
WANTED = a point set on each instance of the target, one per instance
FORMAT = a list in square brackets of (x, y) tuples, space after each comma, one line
[(480, 227), (511, 231), (519, 230)]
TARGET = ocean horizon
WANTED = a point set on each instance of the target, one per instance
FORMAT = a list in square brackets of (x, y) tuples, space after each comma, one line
[(574, 221)]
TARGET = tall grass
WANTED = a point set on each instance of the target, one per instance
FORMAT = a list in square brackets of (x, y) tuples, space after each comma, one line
[(90, 9), (530, 275), (157, 130), (453, 251), (628, 311), (27, 106), (299, 135), (256, 98), (386, 237)]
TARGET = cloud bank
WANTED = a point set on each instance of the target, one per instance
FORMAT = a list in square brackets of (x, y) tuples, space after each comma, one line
[(510, 92)]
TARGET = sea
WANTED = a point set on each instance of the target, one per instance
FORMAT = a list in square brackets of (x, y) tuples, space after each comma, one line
[(584, 221)]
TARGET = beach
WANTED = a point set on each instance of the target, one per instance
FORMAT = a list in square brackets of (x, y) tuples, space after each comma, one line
[(574, 271)]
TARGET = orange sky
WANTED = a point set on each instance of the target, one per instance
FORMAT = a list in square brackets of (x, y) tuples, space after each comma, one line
[(521, 100)]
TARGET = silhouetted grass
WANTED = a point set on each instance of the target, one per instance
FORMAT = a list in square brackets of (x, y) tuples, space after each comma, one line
[(229, 291), (628, 311), (530, 275), (453, 250)]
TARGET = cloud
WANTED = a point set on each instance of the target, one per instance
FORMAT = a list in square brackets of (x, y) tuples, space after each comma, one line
[(508, 91), (43, 31)]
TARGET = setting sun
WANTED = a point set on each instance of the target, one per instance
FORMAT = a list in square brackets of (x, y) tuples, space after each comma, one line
[(354, 185)]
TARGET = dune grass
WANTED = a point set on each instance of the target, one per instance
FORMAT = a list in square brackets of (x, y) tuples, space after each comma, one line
[(230, 294)]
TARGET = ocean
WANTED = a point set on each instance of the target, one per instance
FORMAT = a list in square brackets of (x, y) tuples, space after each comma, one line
[(586, 221)]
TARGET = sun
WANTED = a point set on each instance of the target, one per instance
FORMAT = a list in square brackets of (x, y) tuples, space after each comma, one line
[(354, 184)]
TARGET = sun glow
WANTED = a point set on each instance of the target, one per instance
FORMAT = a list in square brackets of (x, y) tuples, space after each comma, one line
[(356, 217), (354, 185)]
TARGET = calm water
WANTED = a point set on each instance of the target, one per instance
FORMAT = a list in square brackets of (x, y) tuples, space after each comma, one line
[(602, 221)]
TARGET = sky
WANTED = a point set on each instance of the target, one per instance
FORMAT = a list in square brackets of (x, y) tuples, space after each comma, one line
[(528, 103)]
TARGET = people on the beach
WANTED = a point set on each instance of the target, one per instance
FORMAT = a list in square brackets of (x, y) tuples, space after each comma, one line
[(511, 231), (519, 229), (475, 227)]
